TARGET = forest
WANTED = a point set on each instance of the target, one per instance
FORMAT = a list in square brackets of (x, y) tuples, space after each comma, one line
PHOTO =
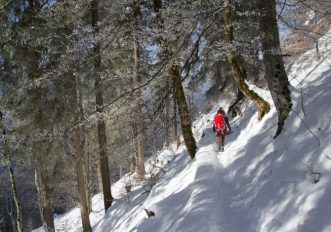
[(89, 90)]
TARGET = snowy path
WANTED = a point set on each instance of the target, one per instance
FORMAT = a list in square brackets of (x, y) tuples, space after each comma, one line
[(213, 173), (200, 195)]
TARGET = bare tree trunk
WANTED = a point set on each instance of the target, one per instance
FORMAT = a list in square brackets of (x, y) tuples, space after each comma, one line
[(167, 123), (89, 179), (133, 163), (88, 186), (167, 116), (86, 153), (98, 164), (44, 199), (184, 113), (238, 75), (80, 169), (121, 170), (274, 66), (139, 114), (175, 116), (13, 223), (104, 166), (19, 221)]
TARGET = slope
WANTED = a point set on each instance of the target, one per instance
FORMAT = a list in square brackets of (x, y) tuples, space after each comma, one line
[(257, 184)]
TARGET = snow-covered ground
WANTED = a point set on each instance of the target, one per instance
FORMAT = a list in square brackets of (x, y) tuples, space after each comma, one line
[(258, 183)]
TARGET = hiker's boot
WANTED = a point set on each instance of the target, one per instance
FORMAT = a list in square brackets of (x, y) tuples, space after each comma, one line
[(222, 148)]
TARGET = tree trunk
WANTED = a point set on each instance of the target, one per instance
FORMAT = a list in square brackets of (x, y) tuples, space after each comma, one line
[(157, 5), (104, 166), (98, 164), (183, 110), (80, 169), (44, 199), (234, 108), (272, 56), (176, 135), (238, 75), (134, 158), (139, 114), (86, 153), (184, 113), (167, 116), (121, 170), (19, 220), (167, 123), (88, 184), (13, 223)]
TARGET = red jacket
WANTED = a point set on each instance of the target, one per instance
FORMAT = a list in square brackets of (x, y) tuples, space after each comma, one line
[(221, 121)]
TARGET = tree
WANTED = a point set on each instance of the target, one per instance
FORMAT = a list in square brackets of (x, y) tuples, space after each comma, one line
[(104, 165), (272, 56), (174, 73), (306, 21), (27, 66), (19, 220), (45, 199), (80, 167), (7, 154), (238, 75), (139, 116)]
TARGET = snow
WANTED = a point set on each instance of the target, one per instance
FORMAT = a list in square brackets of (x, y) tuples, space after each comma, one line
[(258, 183)]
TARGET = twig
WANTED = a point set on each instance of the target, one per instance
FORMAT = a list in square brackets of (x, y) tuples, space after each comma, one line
[(305, 124)]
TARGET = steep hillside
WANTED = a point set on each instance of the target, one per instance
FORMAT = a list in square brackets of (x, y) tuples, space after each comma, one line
[(257, 184)]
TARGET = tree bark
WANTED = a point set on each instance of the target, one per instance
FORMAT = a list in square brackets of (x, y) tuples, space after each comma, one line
[(138, 114), (80, 169), (238, 75), (86, 153), (176, 135), (184, 113), (167, 114), (157, 5), (44, 199), (19, 220), (272, 57), (121, 170), (98, 164), (88, 187), (134, 152), (104, 166)]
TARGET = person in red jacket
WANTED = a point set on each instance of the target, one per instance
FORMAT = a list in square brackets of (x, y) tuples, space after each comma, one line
[(222, 127)]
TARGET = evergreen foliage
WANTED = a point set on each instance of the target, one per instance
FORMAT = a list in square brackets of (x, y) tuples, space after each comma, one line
[(133, 75)]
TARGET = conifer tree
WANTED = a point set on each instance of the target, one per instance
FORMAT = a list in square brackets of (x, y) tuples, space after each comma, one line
[(99, 101), (139, 117)]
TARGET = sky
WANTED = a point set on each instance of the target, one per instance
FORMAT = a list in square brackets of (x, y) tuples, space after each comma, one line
[(257, 184)]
